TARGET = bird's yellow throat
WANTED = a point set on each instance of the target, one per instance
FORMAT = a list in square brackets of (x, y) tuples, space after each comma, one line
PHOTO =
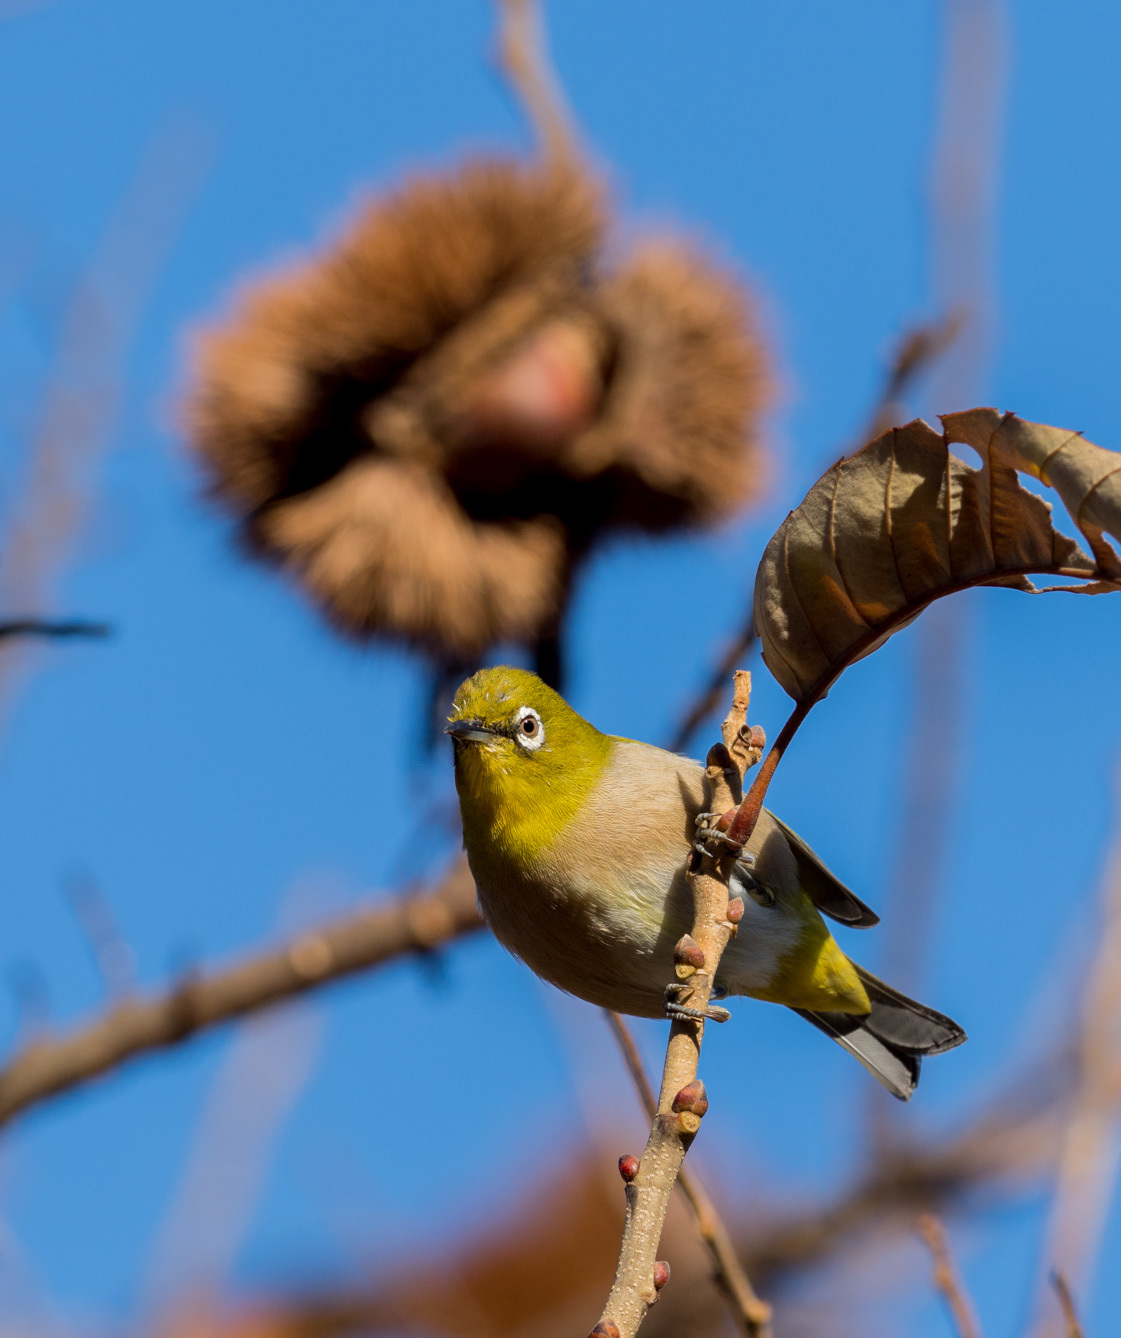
[(518, 800)]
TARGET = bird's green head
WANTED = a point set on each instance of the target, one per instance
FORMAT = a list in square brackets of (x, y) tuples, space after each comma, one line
[(524, 759)]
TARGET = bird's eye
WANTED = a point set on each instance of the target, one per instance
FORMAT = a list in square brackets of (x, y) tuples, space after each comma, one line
[(528, 729)]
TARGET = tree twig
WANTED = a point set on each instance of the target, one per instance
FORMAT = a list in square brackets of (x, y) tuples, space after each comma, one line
[(1073, 1325), (138, 1026), (946, 1278), (271, 1059), (82, 397), (753, 1314), (114, 959), (526, 65), (916, 351), (1089, 1156), (682, 1102), (961, 204), (712, 694), (52, 630)]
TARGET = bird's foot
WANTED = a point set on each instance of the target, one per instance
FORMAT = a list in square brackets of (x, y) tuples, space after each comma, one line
[(676, 1011), (710, 840)]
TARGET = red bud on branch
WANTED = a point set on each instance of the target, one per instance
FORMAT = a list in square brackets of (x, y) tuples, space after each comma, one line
[(692, 1097), (687, 957)]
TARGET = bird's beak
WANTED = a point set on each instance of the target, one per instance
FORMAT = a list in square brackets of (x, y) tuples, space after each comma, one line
[(470, 731)]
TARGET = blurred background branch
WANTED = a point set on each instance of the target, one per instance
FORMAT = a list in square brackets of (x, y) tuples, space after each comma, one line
[(371, 937), (1072, 1326), (946, 1280), (37, 627), (260, 1079), (80, 405), (917, 353), (943, 363), (525, 61), (1090, 1152)]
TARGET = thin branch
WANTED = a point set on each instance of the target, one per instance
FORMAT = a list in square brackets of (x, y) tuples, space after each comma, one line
[(114, 959), (52, 630), (916, 352), (946, 1278), (329, 952), (82, 397), (747, 815), (712, 694), (753, 1314), (931, 769), (525, 63), (1071, 1322), (961, 201), (268, 1065), (682, 1102), (1091, 1148), (964, 188)]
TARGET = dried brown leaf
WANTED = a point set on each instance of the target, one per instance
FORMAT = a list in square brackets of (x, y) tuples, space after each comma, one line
[(904, 521)]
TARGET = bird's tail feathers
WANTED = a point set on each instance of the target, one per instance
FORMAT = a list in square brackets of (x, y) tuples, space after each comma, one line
[(891, 1040)]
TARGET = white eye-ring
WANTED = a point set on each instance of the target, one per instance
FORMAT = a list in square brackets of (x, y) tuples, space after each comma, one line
[(528, 729)]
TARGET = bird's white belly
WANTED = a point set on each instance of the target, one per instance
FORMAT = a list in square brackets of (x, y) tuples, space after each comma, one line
[(644, 924), (610, 939), (600, 911)]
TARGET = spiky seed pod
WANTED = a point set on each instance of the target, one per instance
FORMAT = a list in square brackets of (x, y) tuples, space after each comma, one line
[(430, 425), (331, 410), (385, 545), (281, 387), (688, 387)]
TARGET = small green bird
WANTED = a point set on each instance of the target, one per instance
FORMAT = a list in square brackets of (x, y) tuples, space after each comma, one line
[(577, 841)]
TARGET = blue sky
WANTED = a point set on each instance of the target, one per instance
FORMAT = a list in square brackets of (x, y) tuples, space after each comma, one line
[(224, 767)]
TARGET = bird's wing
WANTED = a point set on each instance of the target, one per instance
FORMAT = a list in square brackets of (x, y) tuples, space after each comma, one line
[(824, 889)]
